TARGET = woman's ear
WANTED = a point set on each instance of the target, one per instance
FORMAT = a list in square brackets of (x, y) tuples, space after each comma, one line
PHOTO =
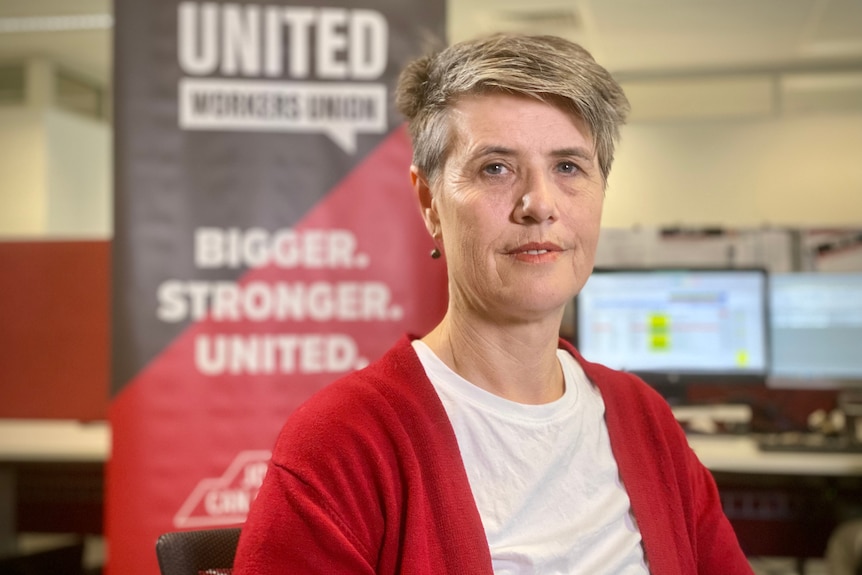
[(426, 201)]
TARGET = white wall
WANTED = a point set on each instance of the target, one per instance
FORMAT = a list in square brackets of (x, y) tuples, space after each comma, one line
[(55, 174), (790, 171), (79, 168), (22, 172)]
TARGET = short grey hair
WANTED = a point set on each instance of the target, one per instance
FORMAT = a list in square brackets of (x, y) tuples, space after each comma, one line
[(546, 67)]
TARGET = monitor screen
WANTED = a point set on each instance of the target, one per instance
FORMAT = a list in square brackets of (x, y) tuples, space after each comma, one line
[(816, 327), (676, 325)]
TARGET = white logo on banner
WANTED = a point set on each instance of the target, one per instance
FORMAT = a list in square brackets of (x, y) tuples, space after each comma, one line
[(225, 500), (228, 304), (344, 47)]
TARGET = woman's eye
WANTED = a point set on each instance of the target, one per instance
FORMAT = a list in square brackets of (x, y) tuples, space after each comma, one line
[(494, 169), (568, 167)]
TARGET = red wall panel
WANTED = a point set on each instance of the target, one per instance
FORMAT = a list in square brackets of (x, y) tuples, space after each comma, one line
[(54, 329)]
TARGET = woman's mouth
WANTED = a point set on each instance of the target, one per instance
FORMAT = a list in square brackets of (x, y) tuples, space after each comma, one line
[(536, 252)]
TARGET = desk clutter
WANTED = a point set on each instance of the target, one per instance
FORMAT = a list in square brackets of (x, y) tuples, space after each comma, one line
[(836, 431), (807, 442), (780, 420)]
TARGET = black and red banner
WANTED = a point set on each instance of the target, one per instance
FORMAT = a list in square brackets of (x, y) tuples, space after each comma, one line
[(266, 240)]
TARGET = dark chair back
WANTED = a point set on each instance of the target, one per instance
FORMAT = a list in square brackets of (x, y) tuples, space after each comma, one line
[(194, 552)]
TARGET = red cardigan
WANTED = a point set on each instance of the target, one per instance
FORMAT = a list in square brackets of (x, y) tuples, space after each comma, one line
[(366, 478)]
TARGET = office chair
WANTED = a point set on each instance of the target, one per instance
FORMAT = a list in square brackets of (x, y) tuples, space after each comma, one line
[(844, 548), (198, 551)]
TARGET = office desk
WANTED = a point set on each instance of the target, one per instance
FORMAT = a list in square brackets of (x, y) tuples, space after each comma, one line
[(54, 440), (50, 462), (782, 504), (773, 499), (739, 454)]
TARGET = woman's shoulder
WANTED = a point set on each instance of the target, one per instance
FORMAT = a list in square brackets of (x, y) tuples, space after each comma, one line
[(603, 376), (620, 389), (369, 404), (394, 378)]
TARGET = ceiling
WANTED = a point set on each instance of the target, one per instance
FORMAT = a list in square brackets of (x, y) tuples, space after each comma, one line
[(632, 35), (725, 57), (85, 51)]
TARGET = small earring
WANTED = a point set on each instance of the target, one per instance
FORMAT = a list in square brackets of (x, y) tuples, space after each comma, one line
[(435, 254)]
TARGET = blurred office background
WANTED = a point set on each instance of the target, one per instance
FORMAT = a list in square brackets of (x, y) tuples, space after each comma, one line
[(745, 114)]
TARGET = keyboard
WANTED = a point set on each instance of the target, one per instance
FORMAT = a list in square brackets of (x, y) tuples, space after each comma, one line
[(805, 442)]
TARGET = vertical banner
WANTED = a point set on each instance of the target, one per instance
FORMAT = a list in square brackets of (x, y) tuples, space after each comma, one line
[(266, 241)]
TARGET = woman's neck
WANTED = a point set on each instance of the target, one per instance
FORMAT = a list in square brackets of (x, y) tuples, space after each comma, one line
[(516, 362)]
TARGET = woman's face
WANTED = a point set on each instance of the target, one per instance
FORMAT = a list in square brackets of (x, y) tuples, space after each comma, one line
[(517, 206)]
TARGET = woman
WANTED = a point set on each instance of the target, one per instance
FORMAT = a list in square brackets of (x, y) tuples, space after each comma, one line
[(489, 445)]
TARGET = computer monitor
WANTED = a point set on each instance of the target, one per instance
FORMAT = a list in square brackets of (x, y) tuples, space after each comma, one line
[(676, 327), (816, 329)]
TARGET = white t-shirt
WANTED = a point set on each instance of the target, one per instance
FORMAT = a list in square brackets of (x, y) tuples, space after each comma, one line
[(543, 476)]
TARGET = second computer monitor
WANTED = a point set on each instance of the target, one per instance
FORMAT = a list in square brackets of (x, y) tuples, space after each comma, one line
[(816, 329)]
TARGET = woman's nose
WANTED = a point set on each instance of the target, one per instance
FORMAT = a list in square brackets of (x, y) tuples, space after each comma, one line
[(537, 202)]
